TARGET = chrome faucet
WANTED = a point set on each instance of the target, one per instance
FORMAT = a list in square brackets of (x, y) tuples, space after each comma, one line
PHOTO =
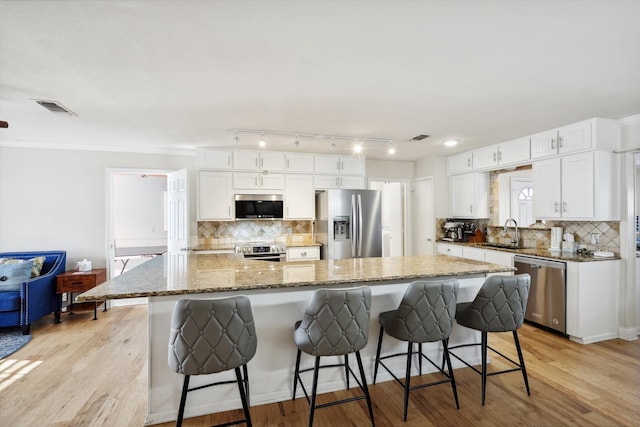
[(516, 237)]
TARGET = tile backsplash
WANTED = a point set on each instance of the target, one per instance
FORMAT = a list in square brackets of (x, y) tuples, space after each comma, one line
[(539, 234), (239, 231)]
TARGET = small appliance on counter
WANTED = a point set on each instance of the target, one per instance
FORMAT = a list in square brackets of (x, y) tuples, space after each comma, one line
[(456, 231)]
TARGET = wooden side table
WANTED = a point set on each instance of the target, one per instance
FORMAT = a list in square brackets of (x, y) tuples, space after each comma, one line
[(71, 282)]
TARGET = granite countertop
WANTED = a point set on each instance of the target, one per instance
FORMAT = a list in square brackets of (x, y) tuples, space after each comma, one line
[(206, 273), (543, 253)]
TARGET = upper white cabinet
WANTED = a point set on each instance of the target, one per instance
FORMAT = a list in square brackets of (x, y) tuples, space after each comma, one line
[(508, 153), (343, 165), (299, 197), (581, 186), (209, 158), (299, 162), (330, 182), (469, 195), (258, 181), (215, 195), (460, 163), (592, 134), (253, 160)]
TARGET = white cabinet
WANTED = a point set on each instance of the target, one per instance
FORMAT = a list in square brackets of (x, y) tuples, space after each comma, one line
[(258, 181), (304, 253), (329, 182), (259, 161), (567, 139), (592, 300), (477, 254), (299, 197), (342, 165), (208, 158), (215, 196), (473, 253), (508, 153), (469, 195), (446, 249), (580, 186), (460, 163), (299, 162)]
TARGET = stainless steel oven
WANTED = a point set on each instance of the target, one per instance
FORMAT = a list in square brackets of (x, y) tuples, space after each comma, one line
[(263, 252)]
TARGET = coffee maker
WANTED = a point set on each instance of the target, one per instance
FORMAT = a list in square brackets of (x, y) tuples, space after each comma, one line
[(454, 231), (457, 231)]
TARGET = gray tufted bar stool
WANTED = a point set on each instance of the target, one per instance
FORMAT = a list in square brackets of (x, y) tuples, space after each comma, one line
[(335, 323), (425, 314), (209, 336), (499, 307)]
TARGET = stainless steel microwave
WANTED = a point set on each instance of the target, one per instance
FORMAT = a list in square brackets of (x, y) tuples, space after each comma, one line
[(259, 206)]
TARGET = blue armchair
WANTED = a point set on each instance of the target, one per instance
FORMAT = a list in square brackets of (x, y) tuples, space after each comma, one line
[(37, 296)]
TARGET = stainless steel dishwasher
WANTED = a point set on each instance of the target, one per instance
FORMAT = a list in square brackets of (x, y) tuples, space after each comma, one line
[(548, 294)]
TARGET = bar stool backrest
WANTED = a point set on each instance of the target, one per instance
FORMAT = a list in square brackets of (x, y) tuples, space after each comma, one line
[(335, 322), (211, 335), (426, 312), (499, 306)]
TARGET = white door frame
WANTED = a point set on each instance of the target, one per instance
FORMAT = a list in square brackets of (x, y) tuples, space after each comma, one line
[(109, 216), (407, 238)]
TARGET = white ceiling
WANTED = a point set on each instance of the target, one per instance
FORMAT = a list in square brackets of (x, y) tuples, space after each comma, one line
[(178, 74)]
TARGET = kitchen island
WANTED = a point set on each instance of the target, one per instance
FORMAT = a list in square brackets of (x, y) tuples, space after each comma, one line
[(278, 293)]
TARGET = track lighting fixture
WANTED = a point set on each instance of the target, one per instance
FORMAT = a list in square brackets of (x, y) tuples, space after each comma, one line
[(357, 142)]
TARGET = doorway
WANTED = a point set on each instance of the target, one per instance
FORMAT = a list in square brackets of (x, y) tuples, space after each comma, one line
[(136, 219), (394, 215), (424, 218)]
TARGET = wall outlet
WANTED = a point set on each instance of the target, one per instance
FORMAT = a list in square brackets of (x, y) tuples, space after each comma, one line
[(595, 238), (290, 231)]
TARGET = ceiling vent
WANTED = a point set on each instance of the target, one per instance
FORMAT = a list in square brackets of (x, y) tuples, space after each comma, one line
[(419, 137), (55, 107)]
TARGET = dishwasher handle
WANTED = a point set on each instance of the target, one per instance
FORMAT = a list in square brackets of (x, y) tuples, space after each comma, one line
[(540, 262)]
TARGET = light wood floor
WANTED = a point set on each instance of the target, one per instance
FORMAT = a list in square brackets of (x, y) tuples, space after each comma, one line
[(93, 373)]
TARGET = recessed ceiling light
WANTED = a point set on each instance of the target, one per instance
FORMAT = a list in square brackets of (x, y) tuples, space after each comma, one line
[(392, 149), (357, 148), (262, 142), (450, 142)]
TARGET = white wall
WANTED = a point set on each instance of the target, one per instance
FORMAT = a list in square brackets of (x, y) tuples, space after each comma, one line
[(389, 169), (56, 199), (139, 209)]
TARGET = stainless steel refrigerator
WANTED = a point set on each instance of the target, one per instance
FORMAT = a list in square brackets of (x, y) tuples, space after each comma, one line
[(348, 223)]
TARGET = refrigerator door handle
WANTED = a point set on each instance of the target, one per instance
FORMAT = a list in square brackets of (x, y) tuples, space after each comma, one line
[(352, 225), (359, 225)]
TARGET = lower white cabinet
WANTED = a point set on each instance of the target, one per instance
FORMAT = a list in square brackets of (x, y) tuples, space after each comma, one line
[(215, 196), (446, 249), (303, 253), (592, 300), (477, 254)]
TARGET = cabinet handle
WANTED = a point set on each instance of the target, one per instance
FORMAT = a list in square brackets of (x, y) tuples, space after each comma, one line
[(228, 160), (495, 157), (469, 162), (303, 254), (553, 143), (470, 208), (261, 162), (256, 181), (499, 155), (288, 163), (564, 206), (338, 165), (556, 207), (560, 140)]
